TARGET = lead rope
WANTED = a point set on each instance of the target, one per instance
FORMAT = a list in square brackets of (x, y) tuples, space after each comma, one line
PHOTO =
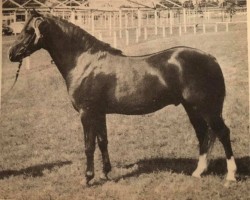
[(17, 74)]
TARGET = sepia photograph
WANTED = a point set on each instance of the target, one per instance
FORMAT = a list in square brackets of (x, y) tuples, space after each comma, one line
[(124, 100)]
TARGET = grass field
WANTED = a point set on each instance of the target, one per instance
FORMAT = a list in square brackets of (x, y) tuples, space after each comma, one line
[(153, 156)]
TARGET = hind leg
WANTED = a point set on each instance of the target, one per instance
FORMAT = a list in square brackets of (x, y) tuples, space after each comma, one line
[(205, 138), (205, 151), (223, 133)]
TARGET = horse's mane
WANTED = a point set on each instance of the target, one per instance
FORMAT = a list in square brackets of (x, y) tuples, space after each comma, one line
[(83, 38)]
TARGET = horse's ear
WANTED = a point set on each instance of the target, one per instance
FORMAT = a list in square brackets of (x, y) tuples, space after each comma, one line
[(34, 13), (43, 26)]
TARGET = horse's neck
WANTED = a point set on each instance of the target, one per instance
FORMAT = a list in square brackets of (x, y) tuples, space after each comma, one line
[(66, 46), (63, 51)]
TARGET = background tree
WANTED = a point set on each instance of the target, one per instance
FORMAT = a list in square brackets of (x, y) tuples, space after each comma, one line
[(230, 8)]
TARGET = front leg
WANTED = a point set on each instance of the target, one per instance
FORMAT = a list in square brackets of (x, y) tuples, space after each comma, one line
[(103, 146), (91, 123)]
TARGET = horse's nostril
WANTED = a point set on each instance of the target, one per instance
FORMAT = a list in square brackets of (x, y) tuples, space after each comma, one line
[(11, 58)]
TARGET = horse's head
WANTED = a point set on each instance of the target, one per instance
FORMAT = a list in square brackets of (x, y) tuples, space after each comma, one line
[(29, 40)]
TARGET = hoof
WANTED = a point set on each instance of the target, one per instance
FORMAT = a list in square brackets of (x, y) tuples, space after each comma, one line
[(84, 183), (230, 178), (228, 183), (89, 176), (104, 176), (196, 174)]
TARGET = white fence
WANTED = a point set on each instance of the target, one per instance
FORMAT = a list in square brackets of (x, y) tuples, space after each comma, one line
[(133, 26)]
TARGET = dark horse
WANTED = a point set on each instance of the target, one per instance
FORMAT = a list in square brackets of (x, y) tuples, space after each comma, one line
[(101, 80)]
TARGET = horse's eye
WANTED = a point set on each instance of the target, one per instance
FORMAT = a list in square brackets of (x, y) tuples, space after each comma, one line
[(29, 31)]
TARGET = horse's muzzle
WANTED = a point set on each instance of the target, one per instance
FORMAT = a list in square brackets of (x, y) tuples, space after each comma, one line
[(15, 56), (11, 55)]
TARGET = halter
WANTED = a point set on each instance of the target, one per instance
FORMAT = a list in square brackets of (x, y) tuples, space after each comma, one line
[(37, 31), (38, 35)]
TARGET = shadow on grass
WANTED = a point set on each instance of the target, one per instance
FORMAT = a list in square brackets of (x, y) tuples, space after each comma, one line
[(34, 171), (219, 167), (187, 166)]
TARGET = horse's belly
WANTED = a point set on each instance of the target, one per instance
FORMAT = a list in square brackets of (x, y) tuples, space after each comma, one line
[(141, 101), (130, 108)]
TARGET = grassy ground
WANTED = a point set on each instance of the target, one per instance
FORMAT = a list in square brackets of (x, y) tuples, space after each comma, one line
[(153, 156)]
